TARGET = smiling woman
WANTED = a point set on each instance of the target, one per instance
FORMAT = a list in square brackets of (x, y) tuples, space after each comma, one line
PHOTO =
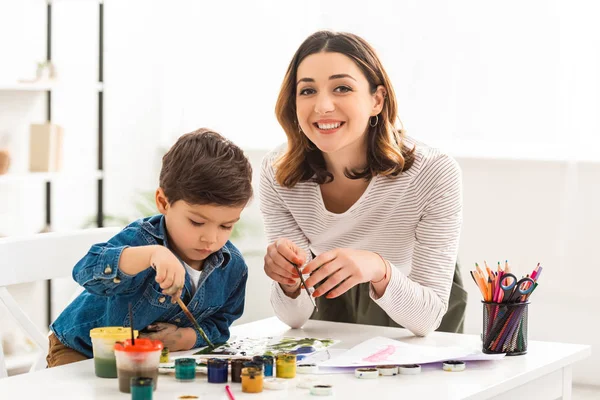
[(373, 216)]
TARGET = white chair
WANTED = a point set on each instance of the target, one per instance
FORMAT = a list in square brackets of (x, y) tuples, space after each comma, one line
[(39, 257)]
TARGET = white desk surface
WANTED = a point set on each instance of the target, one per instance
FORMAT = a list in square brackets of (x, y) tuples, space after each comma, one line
[(545, 368)]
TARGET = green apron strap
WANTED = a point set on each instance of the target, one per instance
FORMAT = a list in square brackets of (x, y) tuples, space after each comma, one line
[(356, 306)]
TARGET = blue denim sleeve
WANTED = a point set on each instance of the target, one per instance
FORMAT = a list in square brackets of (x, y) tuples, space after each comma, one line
[(98, 271), (217, 325)]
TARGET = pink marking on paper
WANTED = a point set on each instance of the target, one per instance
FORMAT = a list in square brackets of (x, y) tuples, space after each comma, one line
[(381, 355)]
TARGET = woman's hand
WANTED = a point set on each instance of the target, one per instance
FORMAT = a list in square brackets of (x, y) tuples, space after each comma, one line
[(172, 336), (344, 267), (278, 263)]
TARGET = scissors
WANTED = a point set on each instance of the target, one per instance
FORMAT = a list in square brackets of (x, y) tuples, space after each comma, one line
[(516, 288)]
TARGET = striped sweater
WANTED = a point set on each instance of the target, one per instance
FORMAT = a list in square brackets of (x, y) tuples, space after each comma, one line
[(413, 220)]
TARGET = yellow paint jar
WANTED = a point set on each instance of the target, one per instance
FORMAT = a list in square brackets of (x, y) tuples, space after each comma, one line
[(286, 365), (103, 344), (252, 380)]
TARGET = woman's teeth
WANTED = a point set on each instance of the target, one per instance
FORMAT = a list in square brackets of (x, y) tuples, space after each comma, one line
[(329, 126)]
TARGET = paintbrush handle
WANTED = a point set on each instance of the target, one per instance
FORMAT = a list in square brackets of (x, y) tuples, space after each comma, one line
[(193, 321), (312, 300)]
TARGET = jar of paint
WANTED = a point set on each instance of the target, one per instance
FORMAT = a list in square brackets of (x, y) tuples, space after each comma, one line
[(164, 355), (185, 369), (137, 359), (217, 370), (286, 365), (267, 361), (103, 345), (141, 388), (236, 368), (252, 380), (255, 364)]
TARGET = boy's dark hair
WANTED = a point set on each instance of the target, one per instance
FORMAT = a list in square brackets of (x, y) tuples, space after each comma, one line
[(203, 167)]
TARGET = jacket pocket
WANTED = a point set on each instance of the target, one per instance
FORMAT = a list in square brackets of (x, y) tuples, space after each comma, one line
[(158, 299)]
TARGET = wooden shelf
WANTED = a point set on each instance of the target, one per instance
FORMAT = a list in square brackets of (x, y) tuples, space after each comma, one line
[(49, 176), (27, 87), (40, 86)]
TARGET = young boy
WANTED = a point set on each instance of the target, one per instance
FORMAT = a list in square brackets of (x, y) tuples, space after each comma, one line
[(205, 183)]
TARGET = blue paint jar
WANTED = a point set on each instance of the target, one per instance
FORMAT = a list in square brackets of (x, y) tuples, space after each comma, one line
[(185, 369), (141, 388), (217, 370), (267, 362)]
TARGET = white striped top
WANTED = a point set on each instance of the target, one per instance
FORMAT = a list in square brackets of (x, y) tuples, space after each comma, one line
[(413, 220)]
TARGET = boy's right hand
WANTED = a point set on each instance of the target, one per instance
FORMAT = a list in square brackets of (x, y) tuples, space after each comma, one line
[(170, 273), (280, 254)]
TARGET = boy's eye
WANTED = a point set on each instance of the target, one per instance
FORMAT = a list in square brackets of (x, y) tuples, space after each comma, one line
[(306, 92), (196, 223), (227, 227), (342, 89)]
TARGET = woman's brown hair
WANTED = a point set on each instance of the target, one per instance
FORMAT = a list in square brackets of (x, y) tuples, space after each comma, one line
[(387, 154)]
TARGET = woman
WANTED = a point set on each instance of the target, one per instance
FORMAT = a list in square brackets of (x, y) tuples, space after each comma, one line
[(371, 215)]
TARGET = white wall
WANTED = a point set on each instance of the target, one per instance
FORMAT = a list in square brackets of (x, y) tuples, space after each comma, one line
[(490, 80)]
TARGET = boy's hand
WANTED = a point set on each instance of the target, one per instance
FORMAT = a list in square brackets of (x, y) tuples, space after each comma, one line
[(172, 336), (170, 273)]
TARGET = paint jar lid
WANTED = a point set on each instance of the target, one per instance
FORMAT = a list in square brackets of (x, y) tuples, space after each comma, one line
[(263, 359), (409, 369), (139, 381), (240, 361), (387, 370), (251, 371), (366, 373), (116, 333), (217, 362), (287, 357), (321, 390), (453, 366), (307, 368), (141, 345), (185, 362)]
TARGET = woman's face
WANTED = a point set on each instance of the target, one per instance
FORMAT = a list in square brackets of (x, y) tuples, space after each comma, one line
[(334, 101)]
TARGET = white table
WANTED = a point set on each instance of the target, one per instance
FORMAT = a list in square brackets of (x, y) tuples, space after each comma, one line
[(543, 373)]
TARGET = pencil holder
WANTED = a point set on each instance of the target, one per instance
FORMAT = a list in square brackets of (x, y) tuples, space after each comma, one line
[(505, 328)]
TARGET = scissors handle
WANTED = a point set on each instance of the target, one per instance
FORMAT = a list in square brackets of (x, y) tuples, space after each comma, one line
[(516, 288)]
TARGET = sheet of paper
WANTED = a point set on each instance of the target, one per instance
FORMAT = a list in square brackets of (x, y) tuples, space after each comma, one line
[(252, 346), (382, 351)]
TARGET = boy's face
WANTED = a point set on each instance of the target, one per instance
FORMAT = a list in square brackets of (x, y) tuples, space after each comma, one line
[(197, 230)]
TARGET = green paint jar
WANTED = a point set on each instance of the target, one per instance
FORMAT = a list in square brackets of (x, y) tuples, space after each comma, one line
[(141, 388), (185, 369), (103, 343)]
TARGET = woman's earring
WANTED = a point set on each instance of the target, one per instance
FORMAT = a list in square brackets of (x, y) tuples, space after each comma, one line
[(371, 124)]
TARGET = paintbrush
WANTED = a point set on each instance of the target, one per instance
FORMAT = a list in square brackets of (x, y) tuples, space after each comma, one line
[(193, 321), (131, 324), (312, 300)]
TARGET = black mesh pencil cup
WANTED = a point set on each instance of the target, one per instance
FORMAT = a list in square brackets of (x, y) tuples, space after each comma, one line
[(505, 328)]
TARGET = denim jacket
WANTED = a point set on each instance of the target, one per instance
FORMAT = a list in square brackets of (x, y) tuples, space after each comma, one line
[(218, 301)]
